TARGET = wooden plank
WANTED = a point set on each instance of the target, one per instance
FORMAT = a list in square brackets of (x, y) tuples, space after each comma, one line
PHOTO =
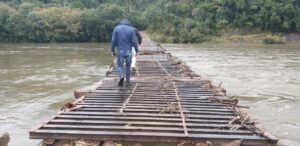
[(116, 122), (120, 117), (158, 134), (111, 128), (203, 108), (166, 115), (146, 139), (84, 117), (86, 132), (155, 111), (169, 129), (100, 105), (133, 123), (123, 92)]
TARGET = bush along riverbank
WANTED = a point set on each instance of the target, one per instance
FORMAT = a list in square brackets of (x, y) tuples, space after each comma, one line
[(265, 38)]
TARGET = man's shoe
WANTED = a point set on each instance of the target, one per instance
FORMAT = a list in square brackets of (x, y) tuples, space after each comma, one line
[(121, 82)]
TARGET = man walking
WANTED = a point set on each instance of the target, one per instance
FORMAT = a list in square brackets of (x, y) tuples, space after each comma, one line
[(124, 39)]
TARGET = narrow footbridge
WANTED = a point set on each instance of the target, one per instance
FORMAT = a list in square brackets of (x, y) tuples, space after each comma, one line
[(166, 102)]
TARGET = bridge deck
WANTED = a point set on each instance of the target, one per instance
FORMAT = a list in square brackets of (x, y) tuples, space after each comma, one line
[(166, 102)]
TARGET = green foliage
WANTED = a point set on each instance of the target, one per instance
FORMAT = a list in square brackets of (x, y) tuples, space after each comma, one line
[(54, 25), (77, 4), (179, 21), (31, 23), (194, 21), (5, 13)]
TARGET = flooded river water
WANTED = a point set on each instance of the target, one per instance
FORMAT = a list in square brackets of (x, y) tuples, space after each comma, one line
[(36, 80), (264, 77)]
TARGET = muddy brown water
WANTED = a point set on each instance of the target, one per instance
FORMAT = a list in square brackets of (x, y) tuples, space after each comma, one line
[(37, 79), (263, 77)]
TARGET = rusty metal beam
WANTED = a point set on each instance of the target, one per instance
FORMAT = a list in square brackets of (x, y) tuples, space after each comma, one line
[(180, 110)]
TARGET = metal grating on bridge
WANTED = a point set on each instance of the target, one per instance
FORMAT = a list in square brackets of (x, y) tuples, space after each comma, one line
[(166, 102)]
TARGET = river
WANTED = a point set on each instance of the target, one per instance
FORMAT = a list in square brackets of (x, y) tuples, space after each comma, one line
[(263, 77), (37, 79)]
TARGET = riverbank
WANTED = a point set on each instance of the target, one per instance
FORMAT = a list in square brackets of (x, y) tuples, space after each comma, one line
[(260, 38)]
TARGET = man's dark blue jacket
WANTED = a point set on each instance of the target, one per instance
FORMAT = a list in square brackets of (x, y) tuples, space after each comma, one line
[(124, 37)]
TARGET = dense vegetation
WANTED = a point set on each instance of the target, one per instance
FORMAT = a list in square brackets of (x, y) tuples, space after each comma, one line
[(191, 21), (169, 20)]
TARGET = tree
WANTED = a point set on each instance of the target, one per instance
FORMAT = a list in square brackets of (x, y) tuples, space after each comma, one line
[(5, 12)]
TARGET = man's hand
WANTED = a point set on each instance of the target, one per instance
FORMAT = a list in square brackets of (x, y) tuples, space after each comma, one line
[(113, 54)]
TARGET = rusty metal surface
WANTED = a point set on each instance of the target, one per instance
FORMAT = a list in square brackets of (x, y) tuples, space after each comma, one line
[(164, 103)]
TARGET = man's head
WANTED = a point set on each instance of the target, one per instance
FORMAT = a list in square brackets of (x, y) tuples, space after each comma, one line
[(125, 22)]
